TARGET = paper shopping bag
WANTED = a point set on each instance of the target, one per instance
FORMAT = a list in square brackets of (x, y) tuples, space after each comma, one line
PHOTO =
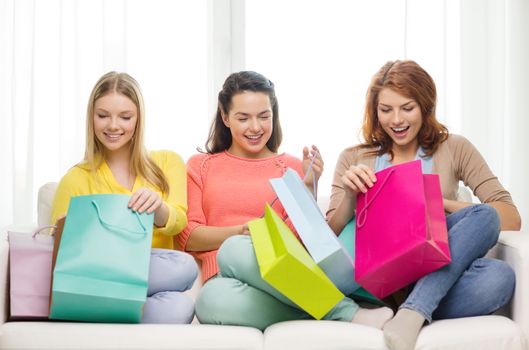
[(320, 241), (286, 265), (102, 266), (401, 232), (348, 237), (30, 270)]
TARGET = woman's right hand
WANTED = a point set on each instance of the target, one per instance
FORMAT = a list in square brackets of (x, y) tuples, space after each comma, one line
[(245, 230), (358, 178)]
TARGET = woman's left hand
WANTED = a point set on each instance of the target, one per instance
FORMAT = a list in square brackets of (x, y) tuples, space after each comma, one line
[(145, 200), (317, 165)]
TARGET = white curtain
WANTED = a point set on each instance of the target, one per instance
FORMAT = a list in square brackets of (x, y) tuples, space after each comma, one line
[(495, 89), (319, 55), (52, 52)]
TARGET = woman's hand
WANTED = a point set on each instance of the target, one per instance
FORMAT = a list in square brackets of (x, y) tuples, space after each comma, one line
[(147, 200), (245, 230), (317, 165), (358, 178)]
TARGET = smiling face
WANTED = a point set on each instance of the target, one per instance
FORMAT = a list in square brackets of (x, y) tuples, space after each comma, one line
[(401, 119), (115, 119), (251, 124)]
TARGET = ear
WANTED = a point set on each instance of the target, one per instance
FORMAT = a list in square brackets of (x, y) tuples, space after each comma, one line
[(225, 118)]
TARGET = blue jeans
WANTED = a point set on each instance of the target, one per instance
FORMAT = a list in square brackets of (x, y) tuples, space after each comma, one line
[(171, 272), (470, 285)]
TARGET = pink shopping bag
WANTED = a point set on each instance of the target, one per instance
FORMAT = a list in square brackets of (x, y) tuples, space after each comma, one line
[(30, 273), (401, 232)]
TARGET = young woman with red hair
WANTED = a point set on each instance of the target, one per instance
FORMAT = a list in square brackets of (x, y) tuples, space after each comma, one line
[(400, 125)]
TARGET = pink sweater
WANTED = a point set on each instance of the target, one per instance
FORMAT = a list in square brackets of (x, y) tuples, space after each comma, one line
[(225, 190)]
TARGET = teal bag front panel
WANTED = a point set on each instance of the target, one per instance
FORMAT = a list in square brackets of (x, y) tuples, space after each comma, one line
[(347, 237), (102, 267)]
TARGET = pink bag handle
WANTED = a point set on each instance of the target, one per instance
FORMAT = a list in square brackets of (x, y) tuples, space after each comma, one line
[(363, 212), (42, 228)]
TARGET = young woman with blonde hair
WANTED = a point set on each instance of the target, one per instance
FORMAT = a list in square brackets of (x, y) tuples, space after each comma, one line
[(116, 161)]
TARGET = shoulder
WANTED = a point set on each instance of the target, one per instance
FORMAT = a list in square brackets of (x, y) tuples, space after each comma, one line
[(75, 179), (164, 157), (455, 145), (355, 154), (289, 159)]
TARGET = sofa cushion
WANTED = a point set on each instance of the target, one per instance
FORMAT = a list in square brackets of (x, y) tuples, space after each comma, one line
[(59, 335), (484, 332)]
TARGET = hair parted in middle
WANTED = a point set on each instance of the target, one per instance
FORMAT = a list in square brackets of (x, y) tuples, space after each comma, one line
[(141, 162), (408, 79), (219, 138)]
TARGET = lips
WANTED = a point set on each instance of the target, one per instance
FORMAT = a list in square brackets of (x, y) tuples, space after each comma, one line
[(401, 131), (254, 139), (113, 137)]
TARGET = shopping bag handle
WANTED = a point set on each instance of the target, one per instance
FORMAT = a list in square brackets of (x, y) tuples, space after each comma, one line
[(42, 228), (362, 216), (115, 227), (314, 189)]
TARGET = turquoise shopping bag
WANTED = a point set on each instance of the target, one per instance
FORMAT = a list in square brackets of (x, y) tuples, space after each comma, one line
[(347, 237), (102, 267)]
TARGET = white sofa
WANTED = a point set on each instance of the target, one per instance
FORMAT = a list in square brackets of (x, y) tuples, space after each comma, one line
[(494, 332)]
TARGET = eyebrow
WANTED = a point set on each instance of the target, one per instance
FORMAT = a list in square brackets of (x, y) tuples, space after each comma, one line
[(121, 113), (402, 105), (247, 114)]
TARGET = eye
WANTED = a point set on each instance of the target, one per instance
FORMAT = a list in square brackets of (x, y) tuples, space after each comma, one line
[(408, 109), (384, 110), (101, 116), (126, 117), (265, 117)]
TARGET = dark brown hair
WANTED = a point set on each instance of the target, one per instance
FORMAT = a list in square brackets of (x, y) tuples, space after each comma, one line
[(219, 138)]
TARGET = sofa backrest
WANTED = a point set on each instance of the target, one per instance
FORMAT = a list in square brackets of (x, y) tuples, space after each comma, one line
[(44, 202)]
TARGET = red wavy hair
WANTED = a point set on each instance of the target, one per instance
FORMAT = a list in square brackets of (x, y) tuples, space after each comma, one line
[(410, 80)]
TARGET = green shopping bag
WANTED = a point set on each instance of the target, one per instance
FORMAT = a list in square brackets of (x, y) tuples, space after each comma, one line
[(347, 237), (285, 264), (102, 267)]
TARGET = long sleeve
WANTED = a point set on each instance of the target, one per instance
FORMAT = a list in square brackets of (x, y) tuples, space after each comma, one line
[(174, 169), (195, 214)]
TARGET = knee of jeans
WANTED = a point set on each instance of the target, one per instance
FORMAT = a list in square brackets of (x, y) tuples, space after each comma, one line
[(498, 287), (192, 268), (231, 249), (490, 221), (211, 305), (505, 281)]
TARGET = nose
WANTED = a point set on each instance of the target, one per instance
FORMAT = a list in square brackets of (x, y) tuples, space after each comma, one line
[(113, 123), (396, 118), (254, 124)]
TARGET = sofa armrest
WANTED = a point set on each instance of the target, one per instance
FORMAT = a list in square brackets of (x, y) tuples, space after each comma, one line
[(513, 248)]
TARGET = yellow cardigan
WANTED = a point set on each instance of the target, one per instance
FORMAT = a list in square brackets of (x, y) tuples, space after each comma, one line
[(80, 180)]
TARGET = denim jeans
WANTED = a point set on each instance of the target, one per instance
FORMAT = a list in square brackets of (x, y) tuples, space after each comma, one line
[(470, 285), (239, 295), (171, 273)]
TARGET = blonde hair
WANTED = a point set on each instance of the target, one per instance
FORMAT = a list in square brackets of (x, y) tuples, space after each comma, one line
[(141, 163)]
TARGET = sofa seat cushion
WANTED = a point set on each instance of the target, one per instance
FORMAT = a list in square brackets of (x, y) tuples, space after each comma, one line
[(484, 333), (66, 335)]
